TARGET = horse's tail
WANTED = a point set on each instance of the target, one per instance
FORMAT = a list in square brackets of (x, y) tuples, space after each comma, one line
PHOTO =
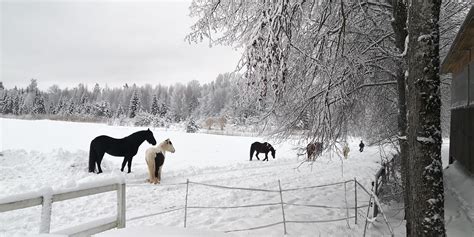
[(92, 159), (252, 150)]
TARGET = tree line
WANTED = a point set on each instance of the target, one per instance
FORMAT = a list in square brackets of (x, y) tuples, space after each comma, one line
[(144, 105)]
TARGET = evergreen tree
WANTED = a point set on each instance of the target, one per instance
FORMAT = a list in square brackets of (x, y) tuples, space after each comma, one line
[(71, 107), (38, 104), (1, 86), (8, 104), (16, 102), (102, 109), (95, 92), (120, 111), (191, 126), (60, 106), (134, 106), (162, 109), (154, 105)]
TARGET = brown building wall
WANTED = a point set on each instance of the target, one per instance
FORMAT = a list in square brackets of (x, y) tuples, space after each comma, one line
[(461, 146)]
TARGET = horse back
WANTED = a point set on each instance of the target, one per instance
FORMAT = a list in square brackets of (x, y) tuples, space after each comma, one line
[(111, 146)]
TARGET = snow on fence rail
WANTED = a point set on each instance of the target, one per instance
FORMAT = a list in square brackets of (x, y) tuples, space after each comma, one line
[(47, 196)]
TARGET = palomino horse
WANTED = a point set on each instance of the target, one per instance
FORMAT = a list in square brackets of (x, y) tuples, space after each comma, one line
[(126, 147), (261, 148), (221, 121), (155, 157), (314, 149)]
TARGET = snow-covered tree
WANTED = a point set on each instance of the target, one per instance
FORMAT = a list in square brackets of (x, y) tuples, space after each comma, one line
[(191, 126), (424, 130), (134, 106), (154, 105), (38, 105)]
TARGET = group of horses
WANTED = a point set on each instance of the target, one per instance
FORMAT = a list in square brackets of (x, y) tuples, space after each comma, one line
[(127, 148)]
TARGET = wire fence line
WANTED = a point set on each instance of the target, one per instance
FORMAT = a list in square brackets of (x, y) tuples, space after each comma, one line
[(282, 203), (155, 214), (356, 209)]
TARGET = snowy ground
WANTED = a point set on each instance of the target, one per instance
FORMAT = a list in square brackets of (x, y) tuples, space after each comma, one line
[(39, 154)]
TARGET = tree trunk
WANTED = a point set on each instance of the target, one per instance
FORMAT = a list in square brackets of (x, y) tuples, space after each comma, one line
[(399, 12), (424, 132)]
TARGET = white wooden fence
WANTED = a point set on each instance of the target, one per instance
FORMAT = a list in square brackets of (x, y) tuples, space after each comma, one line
[(85, 229)]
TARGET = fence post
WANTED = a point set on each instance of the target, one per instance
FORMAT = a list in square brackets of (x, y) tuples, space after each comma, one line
[(376, 188), (355, 197), (282, 208), (186, 203), (45, 225), (121, 206), (367, 217), (347, 206)]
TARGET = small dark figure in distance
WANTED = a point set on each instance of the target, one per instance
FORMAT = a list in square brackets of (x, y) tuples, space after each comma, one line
[(261, 148), (361, 146), (313, 150)]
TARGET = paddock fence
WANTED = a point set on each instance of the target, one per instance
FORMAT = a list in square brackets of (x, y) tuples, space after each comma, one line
[(97, 226), (48, 198), (351, 212)]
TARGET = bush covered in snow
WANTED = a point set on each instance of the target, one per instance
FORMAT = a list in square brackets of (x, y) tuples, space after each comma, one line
[(191, 126), (143, 119)]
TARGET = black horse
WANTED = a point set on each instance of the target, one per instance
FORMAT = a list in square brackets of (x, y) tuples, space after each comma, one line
[(126, 147), (261, 148)]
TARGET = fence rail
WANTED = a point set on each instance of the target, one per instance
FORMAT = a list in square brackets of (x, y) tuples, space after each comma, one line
[(48, 198), (119, 221)]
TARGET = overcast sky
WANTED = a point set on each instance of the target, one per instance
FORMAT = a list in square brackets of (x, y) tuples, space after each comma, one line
[(109, 42)]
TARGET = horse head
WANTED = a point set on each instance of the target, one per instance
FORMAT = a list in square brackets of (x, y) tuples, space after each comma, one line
[(167, 145), (150, 138), (273, 151)]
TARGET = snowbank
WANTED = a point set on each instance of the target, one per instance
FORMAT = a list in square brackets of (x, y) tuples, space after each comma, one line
[(459, 201)]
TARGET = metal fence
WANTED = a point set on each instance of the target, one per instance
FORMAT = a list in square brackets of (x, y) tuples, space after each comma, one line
[(356, 209)]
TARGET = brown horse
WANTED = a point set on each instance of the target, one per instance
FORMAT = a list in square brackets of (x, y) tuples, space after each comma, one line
[(314, 149)]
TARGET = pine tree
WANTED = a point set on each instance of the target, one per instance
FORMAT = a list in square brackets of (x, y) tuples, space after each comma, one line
[(120, 111), (191, 126), (60, 106), (8, 104), (16, 102), (71, 107), (38, 104), (134, 106), (154, 105)]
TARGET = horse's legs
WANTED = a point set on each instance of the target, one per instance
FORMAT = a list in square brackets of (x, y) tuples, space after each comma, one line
[(159, 174), (266, 157), (124, 162), (151, 170), (100, 156), (129, 164), (256, 155)]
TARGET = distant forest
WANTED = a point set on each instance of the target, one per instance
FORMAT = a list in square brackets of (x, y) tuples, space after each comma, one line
[(139, 105)]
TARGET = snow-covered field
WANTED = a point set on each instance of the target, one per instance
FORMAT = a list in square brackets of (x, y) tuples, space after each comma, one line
[(38, 154)]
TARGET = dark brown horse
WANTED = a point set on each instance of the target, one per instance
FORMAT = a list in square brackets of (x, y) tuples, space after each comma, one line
[(261, 148), (314, 149)]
